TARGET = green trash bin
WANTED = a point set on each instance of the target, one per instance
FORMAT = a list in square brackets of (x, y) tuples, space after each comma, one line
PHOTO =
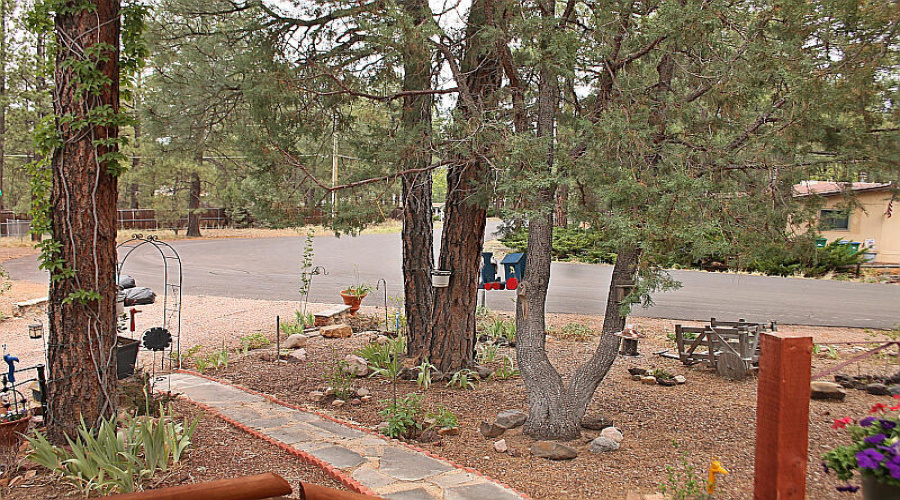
[(821, 242)]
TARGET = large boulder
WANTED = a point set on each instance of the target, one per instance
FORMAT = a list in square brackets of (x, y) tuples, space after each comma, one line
[(510, 419), (827, 390), (553, 450)]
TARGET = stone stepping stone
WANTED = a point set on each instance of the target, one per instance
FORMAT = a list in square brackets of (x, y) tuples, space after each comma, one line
[(479, 492), (338, 456), (416, 494), (410, 466)]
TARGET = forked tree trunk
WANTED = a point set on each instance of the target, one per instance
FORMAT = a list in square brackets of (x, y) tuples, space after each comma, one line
[(451, 342), (193, 228), (82, 338), (418, 228)]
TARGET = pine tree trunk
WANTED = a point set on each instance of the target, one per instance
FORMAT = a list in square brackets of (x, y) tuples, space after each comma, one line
[(3, 98), (82, 336), (193, 228), (552, 413), (561, 219), (418, 228), (451, 342)]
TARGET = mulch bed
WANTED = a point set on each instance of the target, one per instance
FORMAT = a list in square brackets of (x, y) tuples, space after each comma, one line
[(708, 418), (219, 452)]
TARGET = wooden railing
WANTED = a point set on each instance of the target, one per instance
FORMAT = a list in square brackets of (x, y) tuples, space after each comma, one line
[(257, 487)]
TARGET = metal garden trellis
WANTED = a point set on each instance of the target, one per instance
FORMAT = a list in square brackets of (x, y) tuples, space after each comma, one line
[(172, 283)]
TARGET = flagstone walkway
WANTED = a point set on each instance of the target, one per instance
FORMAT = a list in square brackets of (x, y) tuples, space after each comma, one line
[(384, 467)]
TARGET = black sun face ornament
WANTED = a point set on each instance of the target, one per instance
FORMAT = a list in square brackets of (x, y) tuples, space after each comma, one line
[(157, 339)]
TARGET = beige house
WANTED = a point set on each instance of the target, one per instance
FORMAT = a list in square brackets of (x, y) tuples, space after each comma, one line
[(869, 223)]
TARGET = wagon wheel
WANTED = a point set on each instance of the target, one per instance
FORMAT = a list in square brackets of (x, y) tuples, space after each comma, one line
[(730, 365)]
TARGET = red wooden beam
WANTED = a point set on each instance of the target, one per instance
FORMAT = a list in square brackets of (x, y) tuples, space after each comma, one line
[(782, 417), (243, 488)]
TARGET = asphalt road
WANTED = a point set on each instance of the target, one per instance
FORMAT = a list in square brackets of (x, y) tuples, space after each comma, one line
[(268, 268)]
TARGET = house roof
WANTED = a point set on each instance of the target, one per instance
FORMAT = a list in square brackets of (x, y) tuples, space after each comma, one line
[(828, 188)]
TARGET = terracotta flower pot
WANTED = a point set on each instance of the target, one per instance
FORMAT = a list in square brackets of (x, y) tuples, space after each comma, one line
[(9, 431), (353, 301)]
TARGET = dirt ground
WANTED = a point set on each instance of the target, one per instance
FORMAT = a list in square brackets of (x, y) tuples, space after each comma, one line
[(707, 418), (219, 451)]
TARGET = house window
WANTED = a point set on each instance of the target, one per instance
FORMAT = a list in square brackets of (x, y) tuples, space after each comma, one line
[(834, 219)]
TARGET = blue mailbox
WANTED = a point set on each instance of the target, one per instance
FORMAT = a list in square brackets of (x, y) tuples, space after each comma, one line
[(514, 269)]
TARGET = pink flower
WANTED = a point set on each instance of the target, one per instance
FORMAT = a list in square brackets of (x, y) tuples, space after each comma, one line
[(878, 407), (841, 423)]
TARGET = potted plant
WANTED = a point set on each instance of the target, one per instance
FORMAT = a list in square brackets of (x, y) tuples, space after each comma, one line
[(354, 294), (12, 424), (874, 452)]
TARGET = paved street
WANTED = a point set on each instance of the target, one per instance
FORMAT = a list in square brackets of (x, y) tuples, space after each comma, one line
[(268, 268)]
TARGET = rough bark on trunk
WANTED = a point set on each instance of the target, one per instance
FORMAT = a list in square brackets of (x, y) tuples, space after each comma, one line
[(552, 410), (562, 207), (193, 228), (418, 228), (451, 342), (82, 333), (3, 99)]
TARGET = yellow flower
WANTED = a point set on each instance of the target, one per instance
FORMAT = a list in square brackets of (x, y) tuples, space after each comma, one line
[(714, 468)]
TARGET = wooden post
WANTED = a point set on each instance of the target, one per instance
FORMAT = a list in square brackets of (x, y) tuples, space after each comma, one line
[(782, 417)]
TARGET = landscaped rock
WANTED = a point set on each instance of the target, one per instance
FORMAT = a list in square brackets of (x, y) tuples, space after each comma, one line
[(878, 390), (668, 382), (340, 331), (637, 378), (827, 390), (317, 396), (634, 370), (612, 433), (356, 366), (647, 380), (603, 444), (295, 341), (895, 390), (362, 391), (510, 419), (365, 399), (337, 403), (847, 381), (298, 356), (448, 431), (680, 379), (483, 371), (490, 430), (501, 446), (382, 427), (553, 450), (429, 436), (596, 423), (382, 339), (355, 402), (408, 373)]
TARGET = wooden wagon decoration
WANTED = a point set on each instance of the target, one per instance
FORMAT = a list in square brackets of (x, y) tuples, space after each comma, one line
[(731, 348)]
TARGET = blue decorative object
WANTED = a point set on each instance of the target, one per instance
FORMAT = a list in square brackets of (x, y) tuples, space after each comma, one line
[(10, 360)]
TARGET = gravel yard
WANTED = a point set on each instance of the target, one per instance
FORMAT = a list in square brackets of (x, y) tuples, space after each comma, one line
[(707, 418)]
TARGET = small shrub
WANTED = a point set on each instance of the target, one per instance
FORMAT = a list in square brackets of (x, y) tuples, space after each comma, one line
[(659, 373), (575, 331), (574, 244), (507, 369), (113, 459), (425, 370), (487, 353), (684, 483), (254, 341), (463, 379), (338, 378), (299, 324), (442, 417), (403, 416)]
